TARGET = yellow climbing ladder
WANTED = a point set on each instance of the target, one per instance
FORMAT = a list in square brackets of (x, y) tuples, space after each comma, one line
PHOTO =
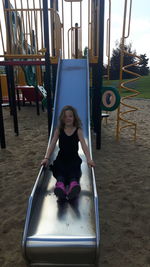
[(125, 108)]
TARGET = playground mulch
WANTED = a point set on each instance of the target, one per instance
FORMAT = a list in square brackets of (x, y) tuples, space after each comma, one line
[(122, 174)]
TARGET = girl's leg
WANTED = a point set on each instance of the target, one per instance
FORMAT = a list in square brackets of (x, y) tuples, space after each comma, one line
[(60, 179), (60, 190), (74, 189), (74, 186)]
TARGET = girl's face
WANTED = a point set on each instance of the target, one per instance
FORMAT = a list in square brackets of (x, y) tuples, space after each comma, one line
[(68, 118)]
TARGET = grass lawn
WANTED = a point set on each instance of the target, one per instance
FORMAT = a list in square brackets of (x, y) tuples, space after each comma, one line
[(142, 86)]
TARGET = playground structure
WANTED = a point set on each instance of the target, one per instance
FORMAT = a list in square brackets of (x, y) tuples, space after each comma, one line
[(75, 234), (27, 49)]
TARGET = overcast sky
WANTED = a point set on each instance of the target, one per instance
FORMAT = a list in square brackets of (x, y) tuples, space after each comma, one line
[(140, 24)]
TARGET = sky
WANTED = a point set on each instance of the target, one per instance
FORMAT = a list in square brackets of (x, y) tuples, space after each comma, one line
[(139, 29)]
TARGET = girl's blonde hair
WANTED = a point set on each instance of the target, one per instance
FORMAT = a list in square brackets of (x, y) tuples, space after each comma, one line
[(77, 122)]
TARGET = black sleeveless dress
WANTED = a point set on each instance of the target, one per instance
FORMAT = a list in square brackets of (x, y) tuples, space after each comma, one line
[(67, 163)]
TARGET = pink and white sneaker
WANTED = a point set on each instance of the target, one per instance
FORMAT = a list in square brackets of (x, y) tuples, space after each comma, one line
[(74, 190), (60, 190)]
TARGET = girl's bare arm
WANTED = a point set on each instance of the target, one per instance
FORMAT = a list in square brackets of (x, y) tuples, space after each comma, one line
[(85, 148), (51, 147)]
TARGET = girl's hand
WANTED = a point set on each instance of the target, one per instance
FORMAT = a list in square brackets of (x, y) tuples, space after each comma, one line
[(91, 163), (45, 162)]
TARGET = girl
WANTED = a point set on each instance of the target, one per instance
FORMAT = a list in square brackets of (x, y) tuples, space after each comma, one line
[(66, 168)]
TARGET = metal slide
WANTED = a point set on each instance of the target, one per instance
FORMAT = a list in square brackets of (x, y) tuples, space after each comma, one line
[(65, 233)]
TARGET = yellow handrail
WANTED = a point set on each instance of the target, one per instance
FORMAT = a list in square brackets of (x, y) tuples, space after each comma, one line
[(108, 40)]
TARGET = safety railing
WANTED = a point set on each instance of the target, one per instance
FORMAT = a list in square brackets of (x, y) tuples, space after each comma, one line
[(74, 33), (74, 42), (24, 29)]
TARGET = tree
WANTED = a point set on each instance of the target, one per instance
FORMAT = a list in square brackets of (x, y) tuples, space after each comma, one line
[(143, 68), (85, 52), (128, 59)]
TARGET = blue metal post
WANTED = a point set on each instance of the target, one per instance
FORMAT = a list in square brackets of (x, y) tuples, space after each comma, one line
[(10, 76), (47, 64), (99, 74), (2, 131), (13, 99)]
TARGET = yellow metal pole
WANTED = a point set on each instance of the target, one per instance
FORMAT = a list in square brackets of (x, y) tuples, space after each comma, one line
[(20, 9), (121, 65), (80, 45), (17, 33), (69, 56), (71, 28), (29, 24), (2, 38), (88, 24), (92, 27), (108, 41), (54, 11), (41, 21), (22, 16), (8, 48), (63, 29), (35, 22), (22, 56), (26, 34), (11, 29)]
